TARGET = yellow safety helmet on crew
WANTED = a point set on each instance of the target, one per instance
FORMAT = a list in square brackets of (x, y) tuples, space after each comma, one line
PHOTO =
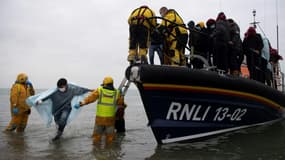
[(22, 78), (108, 80), (201, 24)]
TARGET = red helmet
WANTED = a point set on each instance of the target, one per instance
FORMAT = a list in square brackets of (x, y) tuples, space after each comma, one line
[(221, 16), (251, 31), (210, 22)]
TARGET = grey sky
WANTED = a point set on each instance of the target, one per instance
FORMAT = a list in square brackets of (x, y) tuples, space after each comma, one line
[(87, 40)]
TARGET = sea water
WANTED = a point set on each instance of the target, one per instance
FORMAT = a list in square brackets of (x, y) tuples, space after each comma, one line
[(258, 143)]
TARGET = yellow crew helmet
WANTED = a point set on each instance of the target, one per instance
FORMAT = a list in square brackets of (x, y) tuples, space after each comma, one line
[(201, 24), (22, 78), (108, 80)]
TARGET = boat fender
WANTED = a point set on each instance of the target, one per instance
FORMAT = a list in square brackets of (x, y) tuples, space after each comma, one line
[(134, 76)]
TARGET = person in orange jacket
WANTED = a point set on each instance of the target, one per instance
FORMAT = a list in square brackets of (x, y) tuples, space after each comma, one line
[(108, 98), (20, 111)]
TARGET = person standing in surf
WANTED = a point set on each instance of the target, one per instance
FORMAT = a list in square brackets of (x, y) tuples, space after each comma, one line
[(20, 111), (61, 103), (108, 99)]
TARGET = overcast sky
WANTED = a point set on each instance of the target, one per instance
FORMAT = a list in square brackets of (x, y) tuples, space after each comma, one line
[(86, 40)]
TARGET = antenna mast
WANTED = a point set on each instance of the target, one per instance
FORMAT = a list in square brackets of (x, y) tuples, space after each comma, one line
[(256, 24), (277, 28)]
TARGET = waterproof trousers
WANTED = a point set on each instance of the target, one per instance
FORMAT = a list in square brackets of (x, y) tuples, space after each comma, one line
[(61, 117), (18, 122), (100, 130), (138, 43)]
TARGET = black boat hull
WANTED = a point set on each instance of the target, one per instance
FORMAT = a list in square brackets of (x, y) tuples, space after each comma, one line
[(183, 104)]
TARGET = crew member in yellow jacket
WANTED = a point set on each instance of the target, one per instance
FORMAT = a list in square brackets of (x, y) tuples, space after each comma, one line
[(108, 98), (20, 111), (140, 26), (176, 37)]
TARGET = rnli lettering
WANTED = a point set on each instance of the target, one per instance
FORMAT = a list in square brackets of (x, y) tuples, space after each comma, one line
[(195, 113)]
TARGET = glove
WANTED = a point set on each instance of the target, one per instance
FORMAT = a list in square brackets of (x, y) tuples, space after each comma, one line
[(77, 106), (15, 110)]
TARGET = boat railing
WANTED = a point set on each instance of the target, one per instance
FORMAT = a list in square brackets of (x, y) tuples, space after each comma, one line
[(278, 77), (201, 58), (207, 66)]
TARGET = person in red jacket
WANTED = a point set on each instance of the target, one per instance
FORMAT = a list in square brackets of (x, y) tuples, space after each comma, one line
[(252, 46)]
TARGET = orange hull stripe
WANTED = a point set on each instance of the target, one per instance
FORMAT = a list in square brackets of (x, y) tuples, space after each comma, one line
[(198, 89)]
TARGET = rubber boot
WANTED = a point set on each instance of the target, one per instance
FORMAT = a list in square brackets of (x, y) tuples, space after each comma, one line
[(142, 55), (132, 56)]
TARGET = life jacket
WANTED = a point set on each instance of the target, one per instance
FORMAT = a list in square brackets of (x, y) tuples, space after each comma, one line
[(140, 17), (106, 105), (178, 26)]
